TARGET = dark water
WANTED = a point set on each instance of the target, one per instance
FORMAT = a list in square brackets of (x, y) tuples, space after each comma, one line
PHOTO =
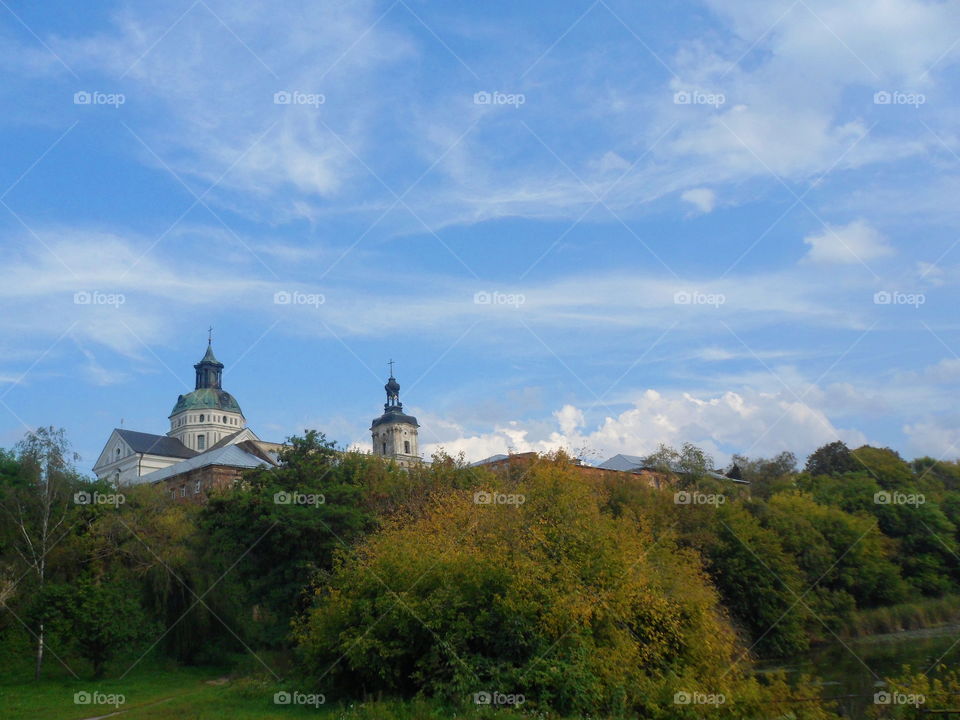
[(857, 667)]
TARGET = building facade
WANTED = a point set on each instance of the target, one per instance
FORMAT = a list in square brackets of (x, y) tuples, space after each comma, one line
[(394, 434), (208, 443)]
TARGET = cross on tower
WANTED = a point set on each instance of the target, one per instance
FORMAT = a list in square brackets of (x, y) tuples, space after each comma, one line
[(210, 335), (390, 363)]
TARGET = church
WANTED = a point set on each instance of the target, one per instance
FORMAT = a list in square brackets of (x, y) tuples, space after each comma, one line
[(209, 444)]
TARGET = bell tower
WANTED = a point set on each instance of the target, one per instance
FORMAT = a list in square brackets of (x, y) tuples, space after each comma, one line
[(394, 434)]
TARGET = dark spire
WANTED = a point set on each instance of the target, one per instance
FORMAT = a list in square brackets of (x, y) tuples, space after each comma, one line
[(209, 369), (393, 391)]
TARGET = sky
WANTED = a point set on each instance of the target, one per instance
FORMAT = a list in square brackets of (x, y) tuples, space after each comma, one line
[(599, 225)]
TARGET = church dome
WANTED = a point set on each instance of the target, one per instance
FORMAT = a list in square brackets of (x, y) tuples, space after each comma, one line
[(206, 399)]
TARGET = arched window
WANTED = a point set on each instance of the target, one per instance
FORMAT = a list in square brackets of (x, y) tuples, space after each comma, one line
[(201, 418), (406, 446), (384, 448), (201, 442), (118, 452)]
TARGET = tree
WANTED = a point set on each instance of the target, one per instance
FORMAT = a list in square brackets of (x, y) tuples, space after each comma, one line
[(39, 501), (281, 526), (580, 611), (759, 581), (832, 459), (98, 617), (767, 476), (884, 464), (690, 463)]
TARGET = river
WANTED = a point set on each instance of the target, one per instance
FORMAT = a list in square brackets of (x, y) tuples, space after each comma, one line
[(852, 667)]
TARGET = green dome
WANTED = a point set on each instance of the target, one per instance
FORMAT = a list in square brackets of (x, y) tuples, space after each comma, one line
[(206, 399)]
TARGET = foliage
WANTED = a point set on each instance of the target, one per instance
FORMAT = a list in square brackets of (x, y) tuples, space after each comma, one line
[(277, 529), (551, 598), (832, 459)]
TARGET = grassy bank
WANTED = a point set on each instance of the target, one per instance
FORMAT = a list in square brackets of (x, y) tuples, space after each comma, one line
[(906, 616), (195, 694)]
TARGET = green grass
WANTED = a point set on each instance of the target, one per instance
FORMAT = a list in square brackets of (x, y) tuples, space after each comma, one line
[(187, 694), (925, 613)]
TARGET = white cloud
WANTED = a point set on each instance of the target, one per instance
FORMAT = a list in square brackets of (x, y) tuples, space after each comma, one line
[(938, 437), (704, 199), (855, 242), (723, 424)]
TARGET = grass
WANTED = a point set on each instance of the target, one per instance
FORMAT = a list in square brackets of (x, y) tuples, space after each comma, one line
[(907, 616), (194, 694), (155, 690)]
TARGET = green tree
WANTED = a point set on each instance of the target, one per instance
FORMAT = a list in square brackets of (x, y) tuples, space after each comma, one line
[(37, 501), (760, 582), (547, 595), (832, 459), (278, 528)]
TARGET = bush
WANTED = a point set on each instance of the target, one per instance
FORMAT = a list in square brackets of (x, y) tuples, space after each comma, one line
[(578, 611)]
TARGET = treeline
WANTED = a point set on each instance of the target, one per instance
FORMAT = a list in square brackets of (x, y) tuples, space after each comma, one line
[(533, 586)]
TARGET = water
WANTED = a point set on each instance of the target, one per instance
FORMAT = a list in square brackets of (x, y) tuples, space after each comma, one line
[(857, 667)]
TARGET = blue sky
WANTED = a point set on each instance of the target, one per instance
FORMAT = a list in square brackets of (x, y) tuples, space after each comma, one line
[(600, 225)]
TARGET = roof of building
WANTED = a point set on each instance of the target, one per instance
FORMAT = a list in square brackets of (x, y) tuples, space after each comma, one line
[(151, 444), (491, 459), (209, 357), (228, 456), (207, 399), (633, 463), (623, 463), (394, 414)]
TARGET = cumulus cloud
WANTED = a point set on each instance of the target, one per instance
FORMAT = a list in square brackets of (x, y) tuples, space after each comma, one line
[(723, 424), (855, 242)]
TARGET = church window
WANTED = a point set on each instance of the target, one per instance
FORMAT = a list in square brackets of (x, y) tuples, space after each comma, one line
[(406, 446), (196, 487), (201, 442), (384, 448), (118, 452), (201, 418)]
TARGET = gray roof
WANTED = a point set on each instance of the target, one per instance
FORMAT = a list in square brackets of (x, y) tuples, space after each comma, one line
[(632, 463), (487, 461), (229, 456), (151, 444), (623, 463)]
